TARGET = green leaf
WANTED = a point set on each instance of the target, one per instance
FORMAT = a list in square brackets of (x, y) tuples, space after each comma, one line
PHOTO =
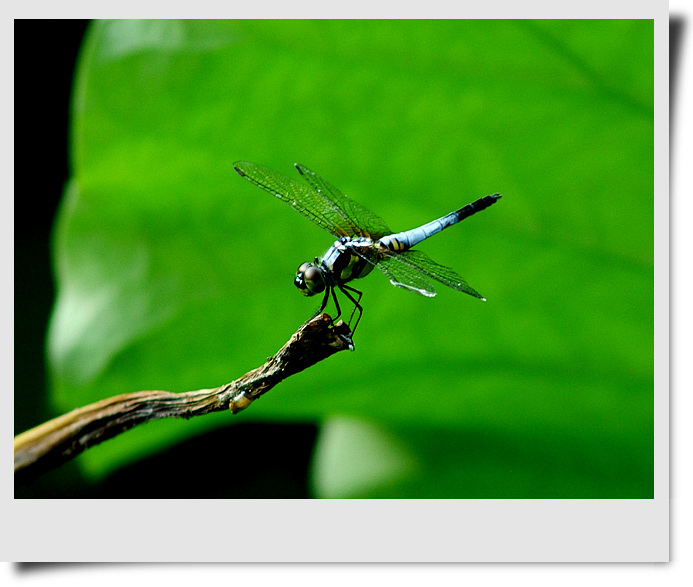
[(174, 273)]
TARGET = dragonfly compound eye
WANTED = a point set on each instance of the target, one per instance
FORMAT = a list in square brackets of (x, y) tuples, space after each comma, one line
[(309, 279)]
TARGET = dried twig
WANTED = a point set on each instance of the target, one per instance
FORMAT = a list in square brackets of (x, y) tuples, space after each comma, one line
[(59, 440)]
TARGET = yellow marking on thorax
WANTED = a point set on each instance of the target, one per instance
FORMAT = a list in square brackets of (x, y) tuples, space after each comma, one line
[(347, 271)]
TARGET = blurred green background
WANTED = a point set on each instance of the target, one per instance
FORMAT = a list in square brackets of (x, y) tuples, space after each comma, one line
[(174, 273)]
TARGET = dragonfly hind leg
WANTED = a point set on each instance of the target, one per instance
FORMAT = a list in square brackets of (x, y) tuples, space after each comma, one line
[(345, 336), (357, 305), (323, 305)]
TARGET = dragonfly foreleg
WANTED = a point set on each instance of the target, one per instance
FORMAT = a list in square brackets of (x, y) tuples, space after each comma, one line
[(324, 302)]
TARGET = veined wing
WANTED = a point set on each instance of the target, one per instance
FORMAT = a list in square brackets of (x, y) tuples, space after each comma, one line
[(405, 276), (418, 262), (310, 202), (359, 219)]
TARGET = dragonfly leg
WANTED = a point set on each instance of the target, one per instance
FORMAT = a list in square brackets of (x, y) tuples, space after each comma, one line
[(328, 291), (336, 303), (356, 301), (324, 302)]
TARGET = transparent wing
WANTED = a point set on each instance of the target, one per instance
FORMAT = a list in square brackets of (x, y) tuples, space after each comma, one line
[(405, 276), (419, 261), (303, 198), (410, 270), (359, 219)]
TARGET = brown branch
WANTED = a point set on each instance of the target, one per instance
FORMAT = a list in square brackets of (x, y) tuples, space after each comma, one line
[(59, 440)]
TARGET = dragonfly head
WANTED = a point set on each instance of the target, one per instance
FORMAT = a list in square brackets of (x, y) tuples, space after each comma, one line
[(310, 279)]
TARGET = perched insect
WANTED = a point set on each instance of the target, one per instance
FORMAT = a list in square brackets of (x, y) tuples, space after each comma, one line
[(364, 240)]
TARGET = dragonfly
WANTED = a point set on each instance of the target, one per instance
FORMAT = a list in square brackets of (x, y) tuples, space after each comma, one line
[(364, 240)]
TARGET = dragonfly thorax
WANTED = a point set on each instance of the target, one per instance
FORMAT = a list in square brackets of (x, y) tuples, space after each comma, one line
[(345, 261), (340, 264)]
